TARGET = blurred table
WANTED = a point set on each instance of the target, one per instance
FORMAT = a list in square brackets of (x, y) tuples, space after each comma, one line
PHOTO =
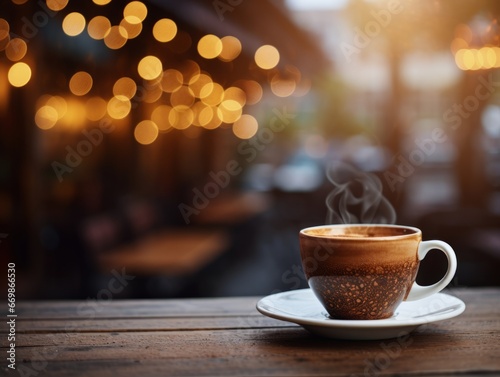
[(233, 207), (172, 252), (228, 337)]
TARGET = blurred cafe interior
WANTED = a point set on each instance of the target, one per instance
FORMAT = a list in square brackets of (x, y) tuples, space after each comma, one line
[(179, 146)]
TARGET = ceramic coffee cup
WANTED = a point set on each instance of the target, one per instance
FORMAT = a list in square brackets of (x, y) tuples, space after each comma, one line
[(365, 271)]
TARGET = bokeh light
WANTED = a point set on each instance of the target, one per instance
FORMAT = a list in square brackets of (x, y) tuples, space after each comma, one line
[(245, 127), (133, 30), (59, 104), (252, 89), (150, 67), (16, 49), (182, 96), (146, 132), (267, 57), (282, 85), (189, 69), (118, 107), (164, 30), (73, 24), (236, 94), (116, 37), (209, 46), (181, 117), (126, 87), (135, 12), (160, 117), (197, 83), (101, 2), (171, 80), (95, 108), (229, 111), (19, 74), (80, 83), (99, 27), (231, 48), (212, 94), (4, 34), (152, 92), (56, 5), (46, 117), (476, 59)]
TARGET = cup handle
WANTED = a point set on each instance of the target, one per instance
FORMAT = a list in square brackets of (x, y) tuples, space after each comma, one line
[(418, 292)]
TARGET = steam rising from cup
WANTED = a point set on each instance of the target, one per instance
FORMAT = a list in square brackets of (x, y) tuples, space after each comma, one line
[(357, 197)]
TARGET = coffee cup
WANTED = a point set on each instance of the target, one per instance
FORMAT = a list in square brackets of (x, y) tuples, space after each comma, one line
[(365, 271)]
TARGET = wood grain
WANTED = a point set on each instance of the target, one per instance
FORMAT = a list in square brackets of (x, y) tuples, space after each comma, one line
[(227, 337)]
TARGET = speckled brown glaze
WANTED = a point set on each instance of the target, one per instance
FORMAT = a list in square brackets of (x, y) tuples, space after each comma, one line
[(360, 271)]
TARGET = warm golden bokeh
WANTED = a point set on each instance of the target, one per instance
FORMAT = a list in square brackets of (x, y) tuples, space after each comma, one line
[(125, 86), (150, 67), (236, 94), (116, 37), (245, 127), (146, 132), (19, 74), (171, 80), (164, 30), (160, 116), (253, 91), (56, 5), (182, 96), (197, 83), (74, 24), (151, 92), (99, 27), (189, 69), (181, 117), (229, 111), (133, 30), (59, 104), (16, 49), (80, 83), (135, 12), (101, 2), (231, 48), (212, 94), (96, 108), (476, 59), (46, 117), (209, 46), (267, 57), (119, 107)]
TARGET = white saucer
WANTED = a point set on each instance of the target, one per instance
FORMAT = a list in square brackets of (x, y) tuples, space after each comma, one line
[(302, 307)]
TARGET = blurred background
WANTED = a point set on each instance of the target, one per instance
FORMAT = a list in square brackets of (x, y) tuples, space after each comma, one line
[(175, 148)]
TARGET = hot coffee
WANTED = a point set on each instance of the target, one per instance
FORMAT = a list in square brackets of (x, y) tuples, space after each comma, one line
[(366, 271)]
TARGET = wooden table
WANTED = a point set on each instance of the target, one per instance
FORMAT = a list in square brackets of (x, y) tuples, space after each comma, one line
[(228, 337), (171, 253)]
